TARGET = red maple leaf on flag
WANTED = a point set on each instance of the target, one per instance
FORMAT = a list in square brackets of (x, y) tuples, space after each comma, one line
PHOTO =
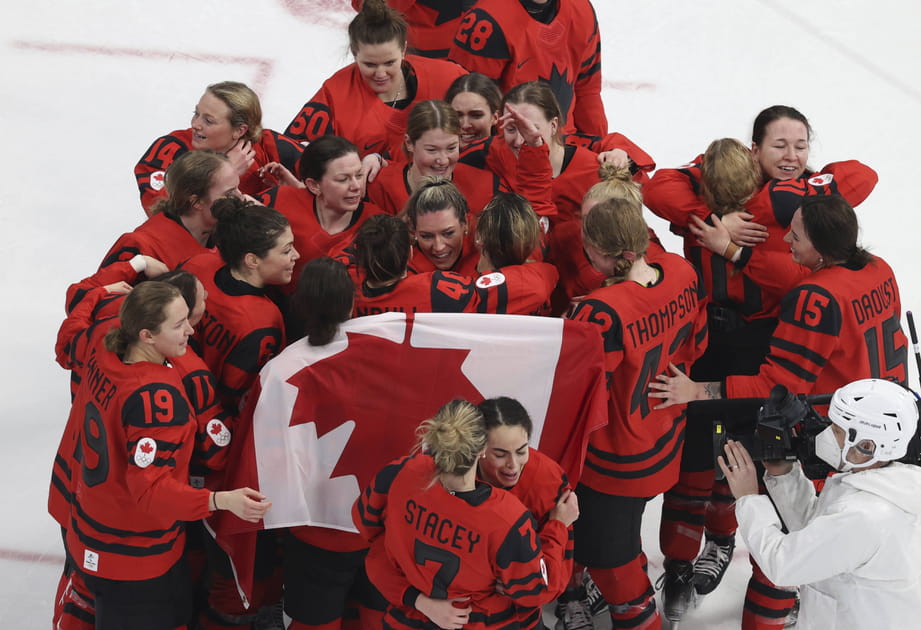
[(158, 177), (146, 447), (387, 389), (215, 428)]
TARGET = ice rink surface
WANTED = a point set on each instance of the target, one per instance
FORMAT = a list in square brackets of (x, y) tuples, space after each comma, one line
[(85, 87)]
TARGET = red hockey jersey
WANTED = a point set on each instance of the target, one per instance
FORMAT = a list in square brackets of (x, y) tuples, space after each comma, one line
[(500, 39), (644, 329), (345, 106), (512, 290), (240, 331), (150, 171), (134, 435), (448, 545), (838, 325)]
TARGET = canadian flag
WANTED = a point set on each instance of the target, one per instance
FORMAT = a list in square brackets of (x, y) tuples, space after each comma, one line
[(321, 421)]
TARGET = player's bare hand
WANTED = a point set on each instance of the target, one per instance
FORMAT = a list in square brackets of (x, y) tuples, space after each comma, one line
[(241, 156), (617, 157), (566, 509), (743, 230), (445, 613), (246, 503), (276, 174), (118, 287), (372, 165), (714, 237), (676, 388), (512, 118)]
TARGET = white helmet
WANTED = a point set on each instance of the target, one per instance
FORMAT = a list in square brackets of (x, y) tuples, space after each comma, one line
[(873, 409)]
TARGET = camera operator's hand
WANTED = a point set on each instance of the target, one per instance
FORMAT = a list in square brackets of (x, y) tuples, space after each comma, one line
[(776, 468), (739, 470)]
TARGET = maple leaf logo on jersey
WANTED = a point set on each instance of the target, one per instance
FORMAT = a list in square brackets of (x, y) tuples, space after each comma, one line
[(218, 432), (493, 279), (823, 179), (145, 452), (349, 387), (562, 87), (157, 180)]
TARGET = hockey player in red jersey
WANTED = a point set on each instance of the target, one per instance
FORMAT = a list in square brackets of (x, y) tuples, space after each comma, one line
[(431, 24), (131, 492), (433, 527), (577, 275), (477, 100), (182, 225), (650, 315), (93, 318), (325, 207), (840, 323), (556, 42), (508, 286), (574, 168), (368, 101), (431, 149), (227, 119)]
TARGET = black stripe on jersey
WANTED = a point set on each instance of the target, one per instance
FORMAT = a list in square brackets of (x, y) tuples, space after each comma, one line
[(795, 369), (799, 350), (119, 548), (61, 487), (159, 463), (78, 296), (501, 293), (502, 616), (60, 461), (639, 457), (124, 533), (641, 473), (125, 253), (538, 587), (75, 611), (532, 618)]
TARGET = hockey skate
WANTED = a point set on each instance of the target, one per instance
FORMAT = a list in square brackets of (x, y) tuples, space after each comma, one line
[(573, 612), (710, 567), (593, 597), (677, 585)]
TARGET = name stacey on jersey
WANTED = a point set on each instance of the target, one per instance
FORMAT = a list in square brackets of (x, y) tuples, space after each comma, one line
[(435, 527)]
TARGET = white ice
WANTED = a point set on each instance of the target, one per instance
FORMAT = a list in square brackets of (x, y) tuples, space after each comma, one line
[(86, 86)]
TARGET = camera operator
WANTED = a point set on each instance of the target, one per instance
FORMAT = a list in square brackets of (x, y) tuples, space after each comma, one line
[(855, 549)]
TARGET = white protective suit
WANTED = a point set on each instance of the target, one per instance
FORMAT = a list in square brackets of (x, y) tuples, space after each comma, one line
[(855, 550)]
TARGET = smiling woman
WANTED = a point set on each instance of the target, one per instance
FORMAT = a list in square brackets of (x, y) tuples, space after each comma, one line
[(226, 119), (367, 101)]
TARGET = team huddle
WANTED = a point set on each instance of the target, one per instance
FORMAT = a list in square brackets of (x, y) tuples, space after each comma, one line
[(462, 164)]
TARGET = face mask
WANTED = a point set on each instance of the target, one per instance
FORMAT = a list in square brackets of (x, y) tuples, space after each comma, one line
[(827, 449)]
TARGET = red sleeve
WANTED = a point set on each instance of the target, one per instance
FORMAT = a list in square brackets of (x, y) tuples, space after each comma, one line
[(855, 180), (642, 161), (71, 346), (534, 179), (151, 168), (156, 418), (387, 577), (480, 45), (673, 194), (588, 114), (118, 271)]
